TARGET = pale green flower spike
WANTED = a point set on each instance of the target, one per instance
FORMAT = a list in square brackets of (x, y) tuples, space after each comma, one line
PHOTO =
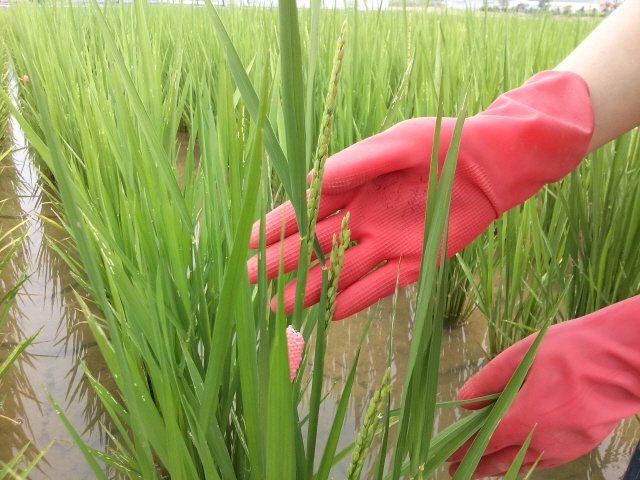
[(322, 151), (368, 429), (336, 260)]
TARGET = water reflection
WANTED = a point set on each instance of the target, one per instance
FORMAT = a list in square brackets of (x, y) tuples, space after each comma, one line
[(15, 388), (46, 303)]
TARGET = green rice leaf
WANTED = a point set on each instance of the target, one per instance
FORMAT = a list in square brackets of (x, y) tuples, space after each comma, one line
[(15, 353), (97, 471), (32, 464), (455, 403), (315, 399), (7, 468), (293, 106), (251, 101), (512, 473), (280, 435)]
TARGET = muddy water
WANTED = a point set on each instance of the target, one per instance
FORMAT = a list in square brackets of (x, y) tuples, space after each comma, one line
[(46, 303)]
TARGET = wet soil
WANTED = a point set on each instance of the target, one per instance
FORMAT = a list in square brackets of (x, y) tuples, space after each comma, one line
[(47, 303)]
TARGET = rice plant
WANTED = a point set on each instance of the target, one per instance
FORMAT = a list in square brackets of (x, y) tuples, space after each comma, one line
[(519, 279), (603, 225), (8, 247)]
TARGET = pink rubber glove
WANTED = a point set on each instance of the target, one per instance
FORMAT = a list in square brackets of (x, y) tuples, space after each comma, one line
[(528, 137), (585, 378)]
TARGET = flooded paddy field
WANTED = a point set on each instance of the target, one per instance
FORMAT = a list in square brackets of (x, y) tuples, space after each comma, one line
[(47, 304)]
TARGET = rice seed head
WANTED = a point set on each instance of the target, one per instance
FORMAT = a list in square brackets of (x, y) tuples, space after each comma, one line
[(336, 261), (322, 150), (368, 428), (295, 344)]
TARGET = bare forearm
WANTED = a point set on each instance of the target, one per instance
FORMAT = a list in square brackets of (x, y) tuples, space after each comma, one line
[(609, 61)]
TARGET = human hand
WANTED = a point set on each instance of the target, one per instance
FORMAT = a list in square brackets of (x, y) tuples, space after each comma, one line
[(528, 137), (585, 378)]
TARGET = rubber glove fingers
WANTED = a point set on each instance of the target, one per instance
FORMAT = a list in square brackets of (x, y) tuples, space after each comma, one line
[(357, 263), (357, 289), (285, 214), (290, 254), (377, 285)]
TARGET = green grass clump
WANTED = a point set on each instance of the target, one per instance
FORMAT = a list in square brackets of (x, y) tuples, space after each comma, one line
[(518, 278), (601, 201), (18, 465), (8, 248)]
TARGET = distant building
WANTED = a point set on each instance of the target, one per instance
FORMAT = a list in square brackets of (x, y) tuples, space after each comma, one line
[(564, 6)]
